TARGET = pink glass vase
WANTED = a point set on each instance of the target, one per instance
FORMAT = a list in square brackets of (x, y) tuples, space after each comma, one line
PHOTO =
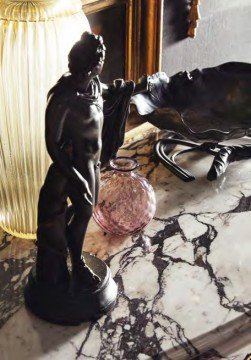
[(126, 201)]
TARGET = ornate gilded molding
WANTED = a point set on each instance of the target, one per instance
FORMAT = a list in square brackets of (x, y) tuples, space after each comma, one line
[(193, 18), (144, 20)]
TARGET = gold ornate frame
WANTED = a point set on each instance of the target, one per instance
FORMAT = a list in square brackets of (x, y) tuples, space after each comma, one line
[(143, 33)]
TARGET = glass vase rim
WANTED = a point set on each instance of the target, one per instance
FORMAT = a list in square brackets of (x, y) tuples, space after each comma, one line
[(38, 10), (123, 164)]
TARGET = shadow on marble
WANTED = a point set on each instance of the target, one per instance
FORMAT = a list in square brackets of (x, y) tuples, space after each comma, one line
[(17, 257), (28, 338)]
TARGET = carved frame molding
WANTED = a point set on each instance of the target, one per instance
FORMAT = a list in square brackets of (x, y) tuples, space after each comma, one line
[(144, 20)]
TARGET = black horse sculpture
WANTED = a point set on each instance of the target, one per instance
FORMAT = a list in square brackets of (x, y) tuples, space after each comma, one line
[(209, 104)]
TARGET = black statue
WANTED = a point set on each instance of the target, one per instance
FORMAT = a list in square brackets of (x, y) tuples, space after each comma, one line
[(74, 119), (85, 126), (212, 104)]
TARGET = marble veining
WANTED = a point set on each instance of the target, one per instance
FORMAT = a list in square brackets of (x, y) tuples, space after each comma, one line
[(184, 282)]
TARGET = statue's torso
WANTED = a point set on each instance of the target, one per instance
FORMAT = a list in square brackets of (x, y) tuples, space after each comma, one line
[(81, 116)]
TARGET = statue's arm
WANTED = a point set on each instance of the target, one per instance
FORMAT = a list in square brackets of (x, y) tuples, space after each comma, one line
[(109, 90), (56, 117)]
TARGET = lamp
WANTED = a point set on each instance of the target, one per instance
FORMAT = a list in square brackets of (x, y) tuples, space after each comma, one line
[(35, 39)]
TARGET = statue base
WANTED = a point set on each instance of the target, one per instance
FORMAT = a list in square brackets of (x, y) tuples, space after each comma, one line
[(71, 305)]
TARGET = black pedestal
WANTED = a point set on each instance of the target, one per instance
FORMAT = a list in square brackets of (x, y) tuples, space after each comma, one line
[(70, 305)]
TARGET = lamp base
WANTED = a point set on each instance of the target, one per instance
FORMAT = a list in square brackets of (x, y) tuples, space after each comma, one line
[(71, 305)]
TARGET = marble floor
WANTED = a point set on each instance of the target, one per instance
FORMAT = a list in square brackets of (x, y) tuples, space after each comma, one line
[(184, 282)]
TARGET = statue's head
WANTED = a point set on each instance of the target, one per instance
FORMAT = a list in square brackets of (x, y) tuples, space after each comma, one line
[(87, 56)]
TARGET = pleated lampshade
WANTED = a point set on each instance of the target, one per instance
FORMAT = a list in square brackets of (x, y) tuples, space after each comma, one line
[(35, 39)]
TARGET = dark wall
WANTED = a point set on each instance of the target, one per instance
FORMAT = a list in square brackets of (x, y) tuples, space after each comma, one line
[(224, 34)]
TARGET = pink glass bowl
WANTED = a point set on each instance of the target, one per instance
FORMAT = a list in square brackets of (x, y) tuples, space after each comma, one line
[(126, 201)]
